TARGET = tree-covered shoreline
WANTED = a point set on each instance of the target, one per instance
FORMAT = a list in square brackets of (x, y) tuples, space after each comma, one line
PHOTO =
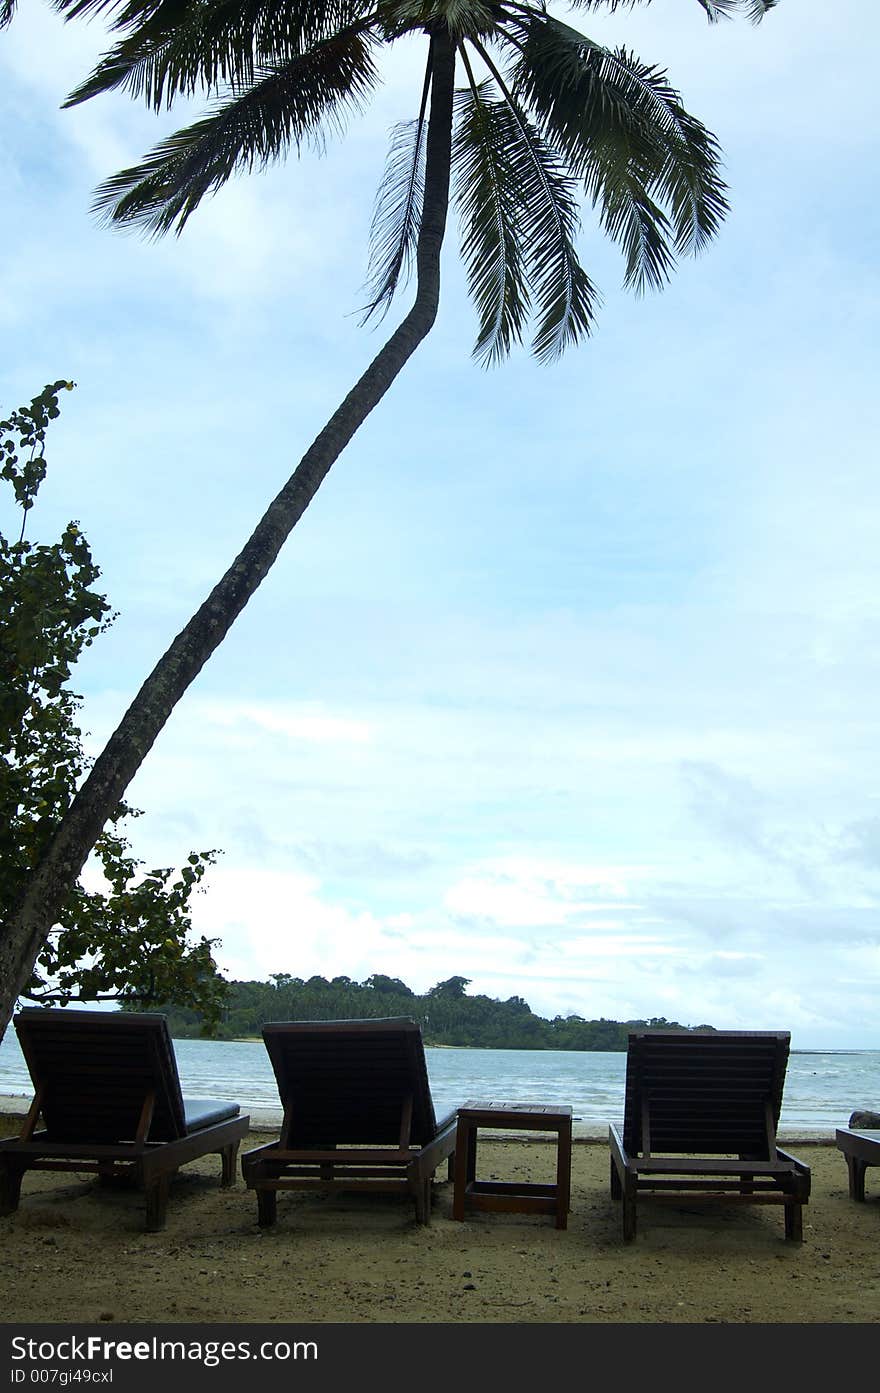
[(447, 1015)]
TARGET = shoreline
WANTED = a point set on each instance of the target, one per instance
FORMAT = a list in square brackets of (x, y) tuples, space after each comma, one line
[(268, 1120)]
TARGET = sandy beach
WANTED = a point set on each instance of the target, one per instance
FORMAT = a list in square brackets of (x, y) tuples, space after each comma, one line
[(75, 1252)]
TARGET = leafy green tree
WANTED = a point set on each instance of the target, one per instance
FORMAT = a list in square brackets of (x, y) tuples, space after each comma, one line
[(543, 115), (386, 986), (132, 940), (447, 1018), (453, 988)]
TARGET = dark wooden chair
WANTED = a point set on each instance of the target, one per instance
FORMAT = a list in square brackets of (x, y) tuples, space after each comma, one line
[(358, 1114), (861, 1147), (107, 1089), (700, 1118)]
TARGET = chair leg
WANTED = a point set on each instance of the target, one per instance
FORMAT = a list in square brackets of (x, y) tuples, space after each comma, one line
[(450, 1166), (422, 1196), (794, 1221), (616, 1187), (10, 1184), (157, 1203), (267, 1208), (746, 1181), (629, 1211), (227, 1160), (856, 1169)]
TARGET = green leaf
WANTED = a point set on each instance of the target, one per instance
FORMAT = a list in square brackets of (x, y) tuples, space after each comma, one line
[(288, 103), (546, 221), (486, 189), (177, 47), (396, 216), (652, 170)]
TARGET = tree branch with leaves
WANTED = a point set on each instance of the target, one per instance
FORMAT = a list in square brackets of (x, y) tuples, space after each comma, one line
[(130, 941)]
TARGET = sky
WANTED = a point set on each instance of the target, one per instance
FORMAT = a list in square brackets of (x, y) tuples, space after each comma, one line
[(566, 682)]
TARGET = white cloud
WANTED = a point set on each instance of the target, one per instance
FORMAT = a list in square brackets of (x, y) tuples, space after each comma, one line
[(294, 724)]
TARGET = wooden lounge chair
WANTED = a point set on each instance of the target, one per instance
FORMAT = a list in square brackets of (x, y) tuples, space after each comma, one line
[(358, 1114), (861, 1147), (107, 1088), (700, 1118)]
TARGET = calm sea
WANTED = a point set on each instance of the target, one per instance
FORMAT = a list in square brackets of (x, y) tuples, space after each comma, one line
[(821, 1089)]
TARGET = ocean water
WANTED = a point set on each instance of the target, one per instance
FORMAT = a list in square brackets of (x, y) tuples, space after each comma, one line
[(821, 1088)]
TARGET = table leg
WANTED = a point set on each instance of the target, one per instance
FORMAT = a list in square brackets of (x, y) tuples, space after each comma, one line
[(563, 1175), (465, 1164)]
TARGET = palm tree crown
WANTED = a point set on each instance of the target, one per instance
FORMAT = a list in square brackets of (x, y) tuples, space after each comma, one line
[(543, 113)]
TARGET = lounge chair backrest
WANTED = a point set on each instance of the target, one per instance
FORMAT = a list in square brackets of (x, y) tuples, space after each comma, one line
[(714, 1092), (95, 1069), (346, 1081)]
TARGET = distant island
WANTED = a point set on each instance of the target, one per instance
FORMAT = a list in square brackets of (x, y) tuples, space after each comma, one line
[(446, 1014)]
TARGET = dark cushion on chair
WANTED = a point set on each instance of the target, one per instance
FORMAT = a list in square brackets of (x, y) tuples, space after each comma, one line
[(204, 1112)]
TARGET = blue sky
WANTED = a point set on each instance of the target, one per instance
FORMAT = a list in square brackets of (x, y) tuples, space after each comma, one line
[(567, 680)]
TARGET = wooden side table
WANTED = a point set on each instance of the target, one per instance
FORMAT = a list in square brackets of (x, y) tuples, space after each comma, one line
[(511, 1197)]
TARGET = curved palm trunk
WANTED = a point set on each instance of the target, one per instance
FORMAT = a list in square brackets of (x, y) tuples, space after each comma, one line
[(28, 926)]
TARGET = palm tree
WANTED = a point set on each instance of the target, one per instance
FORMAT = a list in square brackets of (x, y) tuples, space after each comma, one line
[(542, 113)]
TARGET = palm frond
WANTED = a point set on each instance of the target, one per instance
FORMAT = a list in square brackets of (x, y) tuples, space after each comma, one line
[(7, 10), (396, 216), (754, 10), (316, 18), (397, 212), (285, 105), (715, 9), (632, 219), (651, 168), (611, 5), (485, 168), (565, 295), (120, 14), (185, 45), (547, 223)]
